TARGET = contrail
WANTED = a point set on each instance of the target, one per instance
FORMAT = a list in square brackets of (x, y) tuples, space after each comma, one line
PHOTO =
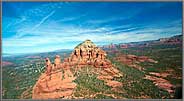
[(43, 20)]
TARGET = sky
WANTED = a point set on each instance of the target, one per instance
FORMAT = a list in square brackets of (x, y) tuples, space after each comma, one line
[(30, 27)]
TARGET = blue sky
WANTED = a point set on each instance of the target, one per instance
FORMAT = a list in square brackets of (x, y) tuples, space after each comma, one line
[(29, 27)]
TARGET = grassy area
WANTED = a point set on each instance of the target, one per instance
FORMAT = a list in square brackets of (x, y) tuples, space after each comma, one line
[(88, 84), (16, 81), (135, 86)]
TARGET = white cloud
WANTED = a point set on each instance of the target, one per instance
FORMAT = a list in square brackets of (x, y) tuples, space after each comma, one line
[(65, 34)]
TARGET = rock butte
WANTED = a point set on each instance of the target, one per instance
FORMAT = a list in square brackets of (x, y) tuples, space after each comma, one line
[(57, 80)]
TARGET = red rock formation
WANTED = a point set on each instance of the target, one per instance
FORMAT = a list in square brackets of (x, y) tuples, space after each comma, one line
[(57, 81), (87, 53), (57, 62), (133, 60), (48, 67), (161, 83)]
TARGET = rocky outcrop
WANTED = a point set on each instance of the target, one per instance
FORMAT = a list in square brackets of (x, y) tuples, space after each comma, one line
[(161, 83), (57, 80), (108, 74), (87, 53), (133, 60)]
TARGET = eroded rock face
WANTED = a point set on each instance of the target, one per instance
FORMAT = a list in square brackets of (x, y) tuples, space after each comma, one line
[(48, 66), (57, 81), (87, 53)]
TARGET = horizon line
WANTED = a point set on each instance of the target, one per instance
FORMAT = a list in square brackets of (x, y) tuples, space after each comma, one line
[(79, 43)]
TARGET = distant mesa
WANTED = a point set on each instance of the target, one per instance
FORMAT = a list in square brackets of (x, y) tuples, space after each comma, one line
[(162, 41)]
